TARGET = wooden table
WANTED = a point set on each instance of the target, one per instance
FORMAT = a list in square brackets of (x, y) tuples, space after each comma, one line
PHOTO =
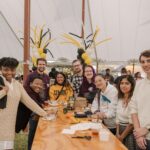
[(49, 137)]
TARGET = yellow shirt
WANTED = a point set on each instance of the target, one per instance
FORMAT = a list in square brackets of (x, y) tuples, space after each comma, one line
[(64, 95)]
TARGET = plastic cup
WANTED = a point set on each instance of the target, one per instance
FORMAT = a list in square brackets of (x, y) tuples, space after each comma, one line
[(52, 113), (104, 135)]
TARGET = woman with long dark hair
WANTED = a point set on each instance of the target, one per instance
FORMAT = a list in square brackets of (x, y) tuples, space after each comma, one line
[(123, 118), (61, 90)]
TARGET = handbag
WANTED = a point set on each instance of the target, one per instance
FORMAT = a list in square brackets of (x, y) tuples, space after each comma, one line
[(3, 100)]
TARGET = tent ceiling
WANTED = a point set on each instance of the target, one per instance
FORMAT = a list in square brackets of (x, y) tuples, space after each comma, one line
[(127, 22)]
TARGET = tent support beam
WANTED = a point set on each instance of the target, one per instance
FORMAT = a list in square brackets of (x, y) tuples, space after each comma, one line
[(83, 18), (95, 51), (11, 28), (26, 37)]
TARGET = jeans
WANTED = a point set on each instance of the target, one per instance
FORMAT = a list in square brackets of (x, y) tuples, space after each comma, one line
[(147, 146), (113, 131), (32, 128)]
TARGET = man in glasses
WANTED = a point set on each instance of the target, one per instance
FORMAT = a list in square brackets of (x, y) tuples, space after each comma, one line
[(77, 76)]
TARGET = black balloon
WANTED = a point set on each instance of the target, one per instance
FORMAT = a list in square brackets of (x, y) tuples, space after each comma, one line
[(78, 57), (80, 51), (45, 51)]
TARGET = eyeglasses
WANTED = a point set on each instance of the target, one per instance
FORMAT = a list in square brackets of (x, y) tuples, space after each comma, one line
[(88, 71), (144, 61), (76, 65)]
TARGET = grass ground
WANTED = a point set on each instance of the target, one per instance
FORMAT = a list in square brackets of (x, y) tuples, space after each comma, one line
[(21, 141)]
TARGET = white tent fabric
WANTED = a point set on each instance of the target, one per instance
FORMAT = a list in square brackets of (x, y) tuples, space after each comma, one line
[(10, 44), (127, 22)]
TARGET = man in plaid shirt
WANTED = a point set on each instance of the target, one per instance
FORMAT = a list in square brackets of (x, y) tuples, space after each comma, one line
[(77, 77)]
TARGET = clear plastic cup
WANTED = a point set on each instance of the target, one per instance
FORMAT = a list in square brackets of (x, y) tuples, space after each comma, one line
[(52, 81), (104, 135), (52, 113)]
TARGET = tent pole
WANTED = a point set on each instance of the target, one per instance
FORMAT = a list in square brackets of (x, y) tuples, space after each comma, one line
[(97, 63), (83, 18), (26, 37)]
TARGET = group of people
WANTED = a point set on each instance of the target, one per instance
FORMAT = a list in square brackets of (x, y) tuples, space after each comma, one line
[(109, 77), (122, 106)]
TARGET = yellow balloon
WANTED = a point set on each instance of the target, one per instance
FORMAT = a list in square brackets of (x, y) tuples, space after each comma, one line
[(43, 55), (88, 61), (84, 56), (34, 61), (40, 50)]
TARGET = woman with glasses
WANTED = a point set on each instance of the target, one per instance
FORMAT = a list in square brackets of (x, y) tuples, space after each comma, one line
[(88, 88)]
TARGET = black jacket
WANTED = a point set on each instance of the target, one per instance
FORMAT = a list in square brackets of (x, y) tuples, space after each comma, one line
[(3, 100), (24, 113)]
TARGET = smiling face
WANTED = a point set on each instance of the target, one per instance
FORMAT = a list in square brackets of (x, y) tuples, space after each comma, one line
[(77, 67), (8, 73), (100, 82), (41, 66), (125, 86), (36, 85), (88, 73), (145, 64), (60, 79)]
